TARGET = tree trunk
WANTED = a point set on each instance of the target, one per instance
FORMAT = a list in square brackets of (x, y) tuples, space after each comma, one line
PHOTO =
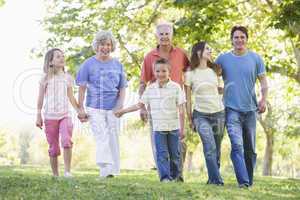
[(293, 174), (297, 56), (268, 126), (268, 157)]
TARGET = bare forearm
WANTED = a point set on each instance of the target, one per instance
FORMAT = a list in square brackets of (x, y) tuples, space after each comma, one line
[(189, 110), (81, 95), (40, 100), (74, 103), (264, 92), (121, 98), (142, 88), (132, 108), (264, 87), (72, 99), (181, 117), (39, 106), (188, 102)]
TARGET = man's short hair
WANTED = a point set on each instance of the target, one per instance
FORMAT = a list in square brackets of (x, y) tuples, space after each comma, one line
[(243, 29), (162, 61)]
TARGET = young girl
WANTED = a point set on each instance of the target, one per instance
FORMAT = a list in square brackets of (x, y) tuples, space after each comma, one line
[(166, 101), (56, 89), (104, 79), (208, 116)]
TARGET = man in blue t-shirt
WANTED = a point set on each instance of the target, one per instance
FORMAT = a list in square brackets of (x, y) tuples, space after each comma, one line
[(241, 67)]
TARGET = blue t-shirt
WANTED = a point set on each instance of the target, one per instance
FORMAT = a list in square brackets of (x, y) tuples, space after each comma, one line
[(239, 75), (103, 81)]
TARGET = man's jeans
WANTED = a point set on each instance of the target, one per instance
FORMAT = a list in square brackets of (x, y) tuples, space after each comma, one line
[(167, 153), (241, 128), (210, 127)]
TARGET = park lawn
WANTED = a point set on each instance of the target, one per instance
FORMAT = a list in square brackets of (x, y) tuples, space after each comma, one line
[(36, 183)]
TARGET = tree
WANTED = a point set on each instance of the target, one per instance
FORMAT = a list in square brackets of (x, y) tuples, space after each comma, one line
[(287, 18), (209, 21), (281, 118), (25, 139), (2, 2), (270, 22), (8, 148), (204, 20), (130, 21)]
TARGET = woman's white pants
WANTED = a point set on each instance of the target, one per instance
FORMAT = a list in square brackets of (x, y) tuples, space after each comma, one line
[(105, 127)]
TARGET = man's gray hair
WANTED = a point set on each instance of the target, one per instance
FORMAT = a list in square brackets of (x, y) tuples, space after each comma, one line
[(164, 24)]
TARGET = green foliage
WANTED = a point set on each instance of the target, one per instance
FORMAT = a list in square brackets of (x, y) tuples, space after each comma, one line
[(132, 24), (36, 183), (73, 24), (192, 138), (202, 20), (8, 148), (135, 127), (2, 2), (292, 98), (130, 21), (25, 139), (212, 21), (287, 17)]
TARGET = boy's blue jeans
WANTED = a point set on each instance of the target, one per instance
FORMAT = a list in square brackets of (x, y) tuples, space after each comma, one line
[(241, 128), (167, 153), (210, 127)]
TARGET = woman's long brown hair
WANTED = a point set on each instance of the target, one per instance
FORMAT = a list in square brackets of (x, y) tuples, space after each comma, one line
[(195, 60)]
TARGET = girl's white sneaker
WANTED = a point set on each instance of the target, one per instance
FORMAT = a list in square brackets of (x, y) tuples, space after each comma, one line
[(68, 175)]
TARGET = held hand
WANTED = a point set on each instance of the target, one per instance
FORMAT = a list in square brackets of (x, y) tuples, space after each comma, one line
[(220, 90), (83, 120), (262, 106), (82, 116), (191, 124), (192, 127), (39, 122), (144, 115), (118, 113)]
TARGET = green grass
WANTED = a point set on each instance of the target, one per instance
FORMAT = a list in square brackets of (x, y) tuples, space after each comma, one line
[(36, 183)]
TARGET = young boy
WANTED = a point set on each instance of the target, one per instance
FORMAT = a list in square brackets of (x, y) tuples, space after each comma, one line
[(165, 100)]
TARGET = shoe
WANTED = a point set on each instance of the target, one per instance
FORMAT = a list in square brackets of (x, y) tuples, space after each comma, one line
[(215, 183), (165, 180), (244, 186), (68, 175), (55, 176), (180, 179), (105, 177)]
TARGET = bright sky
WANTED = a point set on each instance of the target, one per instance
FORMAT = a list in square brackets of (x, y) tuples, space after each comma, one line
[(20, 32)]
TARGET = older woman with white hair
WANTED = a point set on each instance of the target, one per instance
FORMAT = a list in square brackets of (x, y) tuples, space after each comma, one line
[(104, 79)]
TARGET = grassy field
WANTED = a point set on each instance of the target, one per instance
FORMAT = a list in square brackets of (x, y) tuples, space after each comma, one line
[(36, 183)]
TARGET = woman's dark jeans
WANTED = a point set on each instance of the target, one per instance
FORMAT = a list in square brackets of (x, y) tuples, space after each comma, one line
[(210, 127)]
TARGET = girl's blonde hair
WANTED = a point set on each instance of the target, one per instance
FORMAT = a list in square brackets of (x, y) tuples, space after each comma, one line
[(49, 69)]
